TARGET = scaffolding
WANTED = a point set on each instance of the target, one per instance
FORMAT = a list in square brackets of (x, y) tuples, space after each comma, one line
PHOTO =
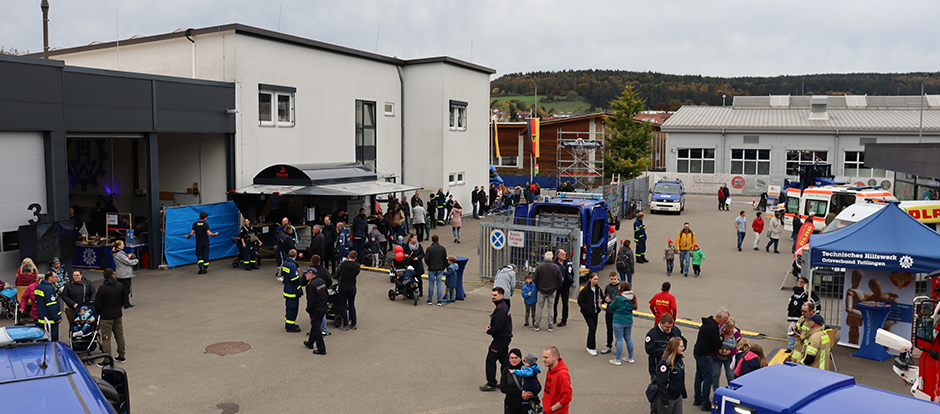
[(580, 158)]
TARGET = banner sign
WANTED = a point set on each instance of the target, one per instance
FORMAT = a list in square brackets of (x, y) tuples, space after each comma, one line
[(534, 132), (802, 237), (896, 288)]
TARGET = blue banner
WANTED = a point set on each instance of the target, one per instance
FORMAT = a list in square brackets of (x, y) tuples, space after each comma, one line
[(223, 219)]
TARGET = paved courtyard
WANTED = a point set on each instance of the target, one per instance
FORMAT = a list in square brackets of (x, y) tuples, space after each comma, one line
[(428, 359)]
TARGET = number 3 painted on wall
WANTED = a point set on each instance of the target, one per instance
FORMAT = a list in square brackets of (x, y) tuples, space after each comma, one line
[(37, 209)]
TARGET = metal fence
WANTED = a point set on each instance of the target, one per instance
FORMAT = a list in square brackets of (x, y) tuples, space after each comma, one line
[(499, 247)]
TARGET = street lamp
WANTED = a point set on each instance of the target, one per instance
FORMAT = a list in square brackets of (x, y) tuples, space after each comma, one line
[(920, 133), (45, 28), (532, 157)]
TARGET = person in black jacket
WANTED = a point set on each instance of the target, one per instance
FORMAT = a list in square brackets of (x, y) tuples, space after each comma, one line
[(561, 259), (590, 300), (708, 342), (658, 338), (360, 232), (347, 274), (436, 259), (670, 380), (249, 245), (795, 305), (286, 243), (500, 328), (77, 291), (317, 242), (317, 298), (512, 404), (329, 240), (109, 303), (414, 257)]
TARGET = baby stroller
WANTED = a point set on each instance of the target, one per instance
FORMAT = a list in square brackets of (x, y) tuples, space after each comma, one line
[(406, 285), (85, 343), (237, 261), (332, 306), (8, 304)]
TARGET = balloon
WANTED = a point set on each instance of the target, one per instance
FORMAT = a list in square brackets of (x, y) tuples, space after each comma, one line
[(613, 229), (399, 256), (399, 249)]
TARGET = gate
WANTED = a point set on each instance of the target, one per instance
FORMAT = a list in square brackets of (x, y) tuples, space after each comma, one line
[(500, 245)]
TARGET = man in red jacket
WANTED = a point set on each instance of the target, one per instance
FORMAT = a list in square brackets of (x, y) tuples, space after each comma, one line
[(758, 226), (664, 302), (557, 392)]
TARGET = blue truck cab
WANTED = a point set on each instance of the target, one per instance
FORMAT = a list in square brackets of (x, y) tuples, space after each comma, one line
[(37, 375), (585, 211), (667, 195)]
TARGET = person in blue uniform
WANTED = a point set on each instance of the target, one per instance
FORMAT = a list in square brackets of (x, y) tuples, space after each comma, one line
[(249, 245), (202, 232), (639, 238), (292, 291), (47, 304)]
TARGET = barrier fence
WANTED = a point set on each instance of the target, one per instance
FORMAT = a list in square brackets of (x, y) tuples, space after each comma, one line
[(502, 243)]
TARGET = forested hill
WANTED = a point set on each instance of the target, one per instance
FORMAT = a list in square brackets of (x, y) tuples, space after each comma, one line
[(668, 92)]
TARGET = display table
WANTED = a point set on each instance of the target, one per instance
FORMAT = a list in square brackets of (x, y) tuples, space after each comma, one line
[(461, 265), (874, 315)]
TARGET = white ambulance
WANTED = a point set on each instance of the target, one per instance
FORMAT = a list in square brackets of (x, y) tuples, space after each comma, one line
[(826, 199)]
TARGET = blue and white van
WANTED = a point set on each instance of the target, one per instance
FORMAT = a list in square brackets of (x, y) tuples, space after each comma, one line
[(667, 195)]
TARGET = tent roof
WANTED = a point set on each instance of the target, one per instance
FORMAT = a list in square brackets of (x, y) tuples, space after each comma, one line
[(889, 240)]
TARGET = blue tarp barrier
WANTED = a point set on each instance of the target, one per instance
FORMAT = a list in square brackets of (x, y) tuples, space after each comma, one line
[(223, 219)]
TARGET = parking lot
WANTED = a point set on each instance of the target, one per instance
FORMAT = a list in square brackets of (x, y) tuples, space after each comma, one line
[(429, 359)]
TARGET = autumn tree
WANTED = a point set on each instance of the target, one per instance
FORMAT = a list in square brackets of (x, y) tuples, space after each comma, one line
[(628, 145)]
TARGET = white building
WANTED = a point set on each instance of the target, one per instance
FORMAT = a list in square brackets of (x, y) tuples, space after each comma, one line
[(421, 122), (762, 139)]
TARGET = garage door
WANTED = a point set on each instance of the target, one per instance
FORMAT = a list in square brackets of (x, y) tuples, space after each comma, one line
[(22, 183)]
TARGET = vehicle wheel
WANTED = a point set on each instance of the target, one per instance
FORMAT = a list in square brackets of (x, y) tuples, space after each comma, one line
[(338, 321), (10, 315), (235, 263), (391, 294)]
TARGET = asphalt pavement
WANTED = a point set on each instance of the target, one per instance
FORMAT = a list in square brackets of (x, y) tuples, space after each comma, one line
[(429, 359)]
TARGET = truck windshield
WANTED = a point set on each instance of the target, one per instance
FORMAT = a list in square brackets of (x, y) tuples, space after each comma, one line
[(666, 189)]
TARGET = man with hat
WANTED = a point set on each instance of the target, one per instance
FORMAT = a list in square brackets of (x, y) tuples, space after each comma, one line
[(816, 345)]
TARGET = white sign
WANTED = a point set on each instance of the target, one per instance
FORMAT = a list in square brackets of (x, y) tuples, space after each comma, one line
[(516, 238), (497, 239), (112, 219)]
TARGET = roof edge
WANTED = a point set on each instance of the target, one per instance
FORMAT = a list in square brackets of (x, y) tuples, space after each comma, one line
[(452, 61)]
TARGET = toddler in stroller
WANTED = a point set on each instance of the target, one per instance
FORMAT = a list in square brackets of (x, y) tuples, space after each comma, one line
[(405, 285), (84, 321), (8, 303)]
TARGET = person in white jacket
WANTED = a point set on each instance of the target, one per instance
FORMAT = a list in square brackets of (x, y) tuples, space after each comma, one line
[(123, 268)]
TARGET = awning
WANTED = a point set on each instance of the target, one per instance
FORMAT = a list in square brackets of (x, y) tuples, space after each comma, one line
[(339, 180)]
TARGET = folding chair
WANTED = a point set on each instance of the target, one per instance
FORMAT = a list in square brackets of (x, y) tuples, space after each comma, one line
[(832, 342)]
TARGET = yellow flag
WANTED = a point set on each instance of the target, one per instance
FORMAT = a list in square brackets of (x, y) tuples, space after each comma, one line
[(496, 138)]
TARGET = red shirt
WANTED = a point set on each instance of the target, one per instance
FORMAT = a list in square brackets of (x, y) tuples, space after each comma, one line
[(663, 302), (557, 388), (758, 225)]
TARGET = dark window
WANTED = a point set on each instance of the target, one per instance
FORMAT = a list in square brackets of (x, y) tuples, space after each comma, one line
[(365, 133)]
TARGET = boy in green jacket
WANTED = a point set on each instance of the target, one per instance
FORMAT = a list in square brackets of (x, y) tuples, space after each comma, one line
[(697, 257)]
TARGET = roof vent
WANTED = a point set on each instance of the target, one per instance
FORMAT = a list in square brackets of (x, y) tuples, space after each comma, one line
[(933, 101), (817, 110), (856, 101), (779, 101)]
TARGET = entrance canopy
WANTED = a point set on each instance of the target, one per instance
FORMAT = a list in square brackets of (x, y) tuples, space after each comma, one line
[(889, 240), (340, 180)]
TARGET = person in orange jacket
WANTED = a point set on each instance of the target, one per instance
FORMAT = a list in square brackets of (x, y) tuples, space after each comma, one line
[(664, 302)]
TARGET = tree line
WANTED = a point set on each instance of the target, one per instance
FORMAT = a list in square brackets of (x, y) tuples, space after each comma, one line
[(667, 92)]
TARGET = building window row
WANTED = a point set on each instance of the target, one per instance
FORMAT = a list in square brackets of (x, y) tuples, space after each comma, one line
[(795, 157), (455, 178), (750, 161), (757, 162), (854, 166), (696, 160), (276, 105)]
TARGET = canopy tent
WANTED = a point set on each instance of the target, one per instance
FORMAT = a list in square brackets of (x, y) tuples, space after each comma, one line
[(889, 240), (340, 180)]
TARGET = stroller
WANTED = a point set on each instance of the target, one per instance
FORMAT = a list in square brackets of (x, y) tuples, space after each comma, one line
[(9, 304), (85, 343), (406, 285), (332, 306)]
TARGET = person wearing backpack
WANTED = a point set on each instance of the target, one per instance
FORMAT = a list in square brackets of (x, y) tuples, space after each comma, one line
[(626, 262)]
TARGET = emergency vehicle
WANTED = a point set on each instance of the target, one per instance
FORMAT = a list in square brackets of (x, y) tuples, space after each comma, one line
[(586, 211), (667, 195), (920, 374), (37, 375), (822, 200)]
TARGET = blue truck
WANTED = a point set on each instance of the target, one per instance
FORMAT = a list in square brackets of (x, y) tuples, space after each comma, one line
[(585, 211), (37, 375), (667, 195)]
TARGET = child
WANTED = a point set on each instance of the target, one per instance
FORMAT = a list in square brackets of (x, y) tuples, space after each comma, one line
[(530, 297), (697, 257), (530, 381), (84, 322), (375, 248), (669, 256), (610, 293), (450, 279)]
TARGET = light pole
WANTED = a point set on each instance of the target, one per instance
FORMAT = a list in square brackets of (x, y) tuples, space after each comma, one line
[(920, 133), (532, 157), (44, 5)]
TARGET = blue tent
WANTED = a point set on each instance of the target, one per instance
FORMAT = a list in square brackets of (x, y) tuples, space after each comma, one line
[(889, 240)]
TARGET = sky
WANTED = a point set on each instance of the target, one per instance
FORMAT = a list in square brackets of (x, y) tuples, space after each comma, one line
[(710, 38)]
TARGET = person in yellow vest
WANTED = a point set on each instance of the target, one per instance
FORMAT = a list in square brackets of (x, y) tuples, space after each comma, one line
[(799, 330), (817, 345)]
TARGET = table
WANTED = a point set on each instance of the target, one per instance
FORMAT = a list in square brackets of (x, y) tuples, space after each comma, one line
[(874, 315)]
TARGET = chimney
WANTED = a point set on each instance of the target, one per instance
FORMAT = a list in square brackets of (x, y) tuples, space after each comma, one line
[(817, 110)]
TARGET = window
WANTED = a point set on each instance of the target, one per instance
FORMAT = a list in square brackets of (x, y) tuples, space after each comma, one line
[(795, 157), (365, 133), (389, 109), (696, 160), (458, 116), (750, 161), (276, 105), (818, 207), (460, 179), (505, 161), (452, 179), (854, 166)]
